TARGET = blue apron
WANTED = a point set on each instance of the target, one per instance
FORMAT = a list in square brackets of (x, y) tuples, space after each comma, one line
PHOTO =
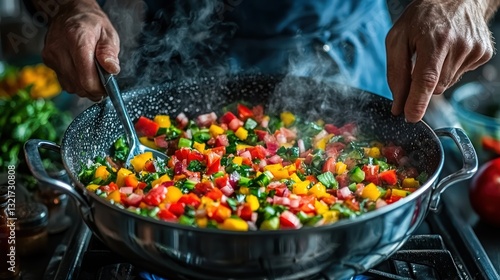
[(339, 40)]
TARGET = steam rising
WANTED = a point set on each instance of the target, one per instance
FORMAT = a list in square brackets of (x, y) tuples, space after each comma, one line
[(189, 41)]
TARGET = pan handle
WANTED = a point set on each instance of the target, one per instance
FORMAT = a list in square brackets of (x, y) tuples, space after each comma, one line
[(469, 165), (35, 165)]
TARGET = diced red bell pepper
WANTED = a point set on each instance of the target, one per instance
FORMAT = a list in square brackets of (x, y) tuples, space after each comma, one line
[(203, 188), (214, 167), (109, 187), (166, 215), (149, 166), (329, 165), (332, 129), (155, 196), (176, 208), (190, 199), (221, 141), (141, 185), (393, 198), (258, 152), (227, 117), (388, 176), (215, 194), (245, 212), (244, 112), (221, 182), (289, 220), (371, 173), (146, 127), (307, 204), (195, 155), (261, 134)]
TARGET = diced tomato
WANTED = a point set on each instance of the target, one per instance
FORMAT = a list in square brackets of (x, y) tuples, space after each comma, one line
[(203, 188), (245, 212), (348, 127), (307, 204), (155, 196), (109, 187), (371, 173), (182, 153), (393, 198), (190, 199), (343, 180), (146, 127), (149, 166), (393, 153), (227, 118), (289, 220), (176, 208), (258, 112), (261, 134), (214, 167), (166, 215), (133, 200), (235, 124), (244, 112), (329, 199), (389, 176), (221, 182), (332, 129), (491, 144), (221, 140), (329, 165), (215, 194), (258, 152), (141, 185), (194, 155), (352, 203)]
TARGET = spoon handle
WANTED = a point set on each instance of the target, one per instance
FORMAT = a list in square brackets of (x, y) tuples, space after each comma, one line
[(111, 86)]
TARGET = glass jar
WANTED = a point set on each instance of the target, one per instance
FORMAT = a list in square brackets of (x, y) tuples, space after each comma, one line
[(31, 228)]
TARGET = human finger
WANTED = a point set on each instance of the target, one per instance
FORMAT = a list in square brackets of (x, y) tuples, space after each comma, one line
[(398, 71)]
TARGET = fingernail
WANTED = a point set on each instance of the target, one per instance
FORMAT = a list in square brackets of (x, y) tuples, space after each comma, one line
[(113, 63)]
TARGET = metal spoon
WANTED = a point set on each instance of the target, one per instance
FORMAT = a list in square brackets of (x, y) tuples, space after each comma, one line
[(111, 86)]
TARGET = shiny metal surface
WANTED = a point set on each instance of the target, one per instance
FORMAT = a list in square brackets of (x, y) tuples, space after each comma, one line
[(347, 247), (111, 86)]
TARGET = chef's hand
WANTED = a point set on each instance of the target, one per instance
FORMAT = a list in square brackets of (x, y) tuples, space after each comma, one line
[(77, 34), (445, 38)]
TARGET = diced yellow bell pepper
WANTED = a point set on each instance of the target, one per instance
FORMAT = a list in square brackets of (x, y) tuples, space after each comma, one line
[(287, 118), (241, 133), (291, 168), (199, 146), (148, 143), (115, 196), (140, 160), (238, 160), (340, 167), (92, 187), (321, 144), (215, 130), (320, 207), (173, 195), (398, 192), (101, 172), (162, 179), (202, 222), (295, 178), (371, 192), (253, 201), (234, 224), (278, 171), (242, 146), (163, 121), (410, 183), (330, 217), (301, 187), (374, 152), (120, 176), (205, 201), (319, 190), (244, 190)]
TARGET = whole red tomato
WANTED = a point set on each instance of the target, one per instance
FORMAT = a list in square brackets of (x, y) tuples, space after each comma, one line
[(484, 192)]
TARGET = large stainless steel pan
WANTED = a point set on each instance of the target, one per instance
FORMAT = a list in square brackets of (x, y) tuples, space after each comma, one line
[(346, 248)]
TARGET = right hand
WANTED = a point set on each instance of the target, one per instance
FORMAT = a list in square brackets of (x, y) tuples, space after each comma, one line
[(80, 32)]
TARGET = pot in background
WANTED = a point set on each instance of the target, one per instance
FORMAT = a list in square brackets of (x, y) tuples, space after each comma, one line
[(477, 106)]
